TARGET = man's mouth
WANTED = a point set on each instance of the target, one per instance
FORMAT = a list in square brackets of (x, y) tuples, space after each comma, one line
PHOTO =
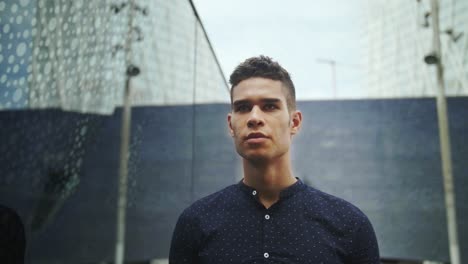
[(256, 137)]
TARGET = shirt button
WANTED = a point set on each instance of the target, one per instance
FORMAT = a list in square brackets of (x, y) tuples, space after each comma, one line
[(267, 217), (254, 192), (266, 255)]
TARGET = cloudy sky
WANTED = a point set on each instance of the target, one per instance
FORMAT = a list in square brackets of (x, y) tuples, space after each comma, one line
[(295, 34)]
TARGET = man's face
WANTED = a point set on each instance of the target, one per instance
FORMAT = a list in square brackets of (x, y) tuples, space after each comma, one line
[(260, 122)]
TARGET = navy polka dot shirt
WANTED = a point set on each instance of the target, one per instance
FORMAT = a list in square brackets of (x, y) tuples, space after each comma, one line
[(304, 226)]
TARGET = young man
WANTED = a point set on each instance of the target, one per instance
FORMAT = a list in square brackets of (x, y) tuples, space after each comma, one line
[(269, 216)]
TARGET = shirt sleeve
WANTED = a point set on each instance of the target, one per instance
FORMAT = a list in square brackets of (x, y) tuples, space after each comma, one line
[(365, 249), (185, 240)]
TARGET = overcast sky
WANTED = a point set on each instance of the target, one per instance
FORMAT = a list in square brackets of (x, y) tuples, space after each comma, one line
[(295, 34)]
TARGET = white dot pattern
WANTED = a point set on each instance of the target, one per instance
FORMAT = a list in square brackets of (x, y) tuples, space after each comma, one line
[(73, 55), (304, 226)]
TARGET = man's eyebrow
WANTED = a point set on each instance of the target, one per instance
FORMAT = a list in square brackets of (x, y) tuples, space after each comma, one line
[(271, 100), (263, 100), (240, 102)]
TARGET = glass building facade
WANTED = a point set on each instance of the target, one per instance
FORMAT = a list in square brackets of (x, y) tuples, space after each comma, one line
[(63, 75), (72, 55), (398, 35)]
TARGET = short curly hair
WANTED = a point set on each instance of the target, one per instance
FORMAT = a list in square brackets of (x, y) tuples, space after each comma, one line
[(265, 67)]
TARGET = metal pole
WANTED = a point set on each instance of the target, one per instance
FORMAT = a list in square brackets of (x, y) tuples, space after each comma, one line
[(123, 176), (444, 136), (332, 64), (124, 147)]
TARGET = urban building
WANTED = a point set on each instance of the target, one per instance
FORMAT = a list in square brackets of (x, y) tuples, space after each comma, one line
[(73, 55), (398, 35)]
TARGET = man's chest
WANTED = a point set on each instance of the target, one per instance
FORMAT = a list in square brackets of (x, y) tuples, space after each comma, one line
[(271, 236)]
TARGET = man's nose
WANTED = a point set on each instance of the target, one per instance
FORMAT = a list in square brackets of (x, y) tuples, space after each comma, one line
[(255, 117)]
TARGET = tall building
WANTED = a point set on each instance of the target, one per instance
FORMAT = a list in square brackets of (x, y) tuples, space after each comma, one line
[(73, 55), (63, 73), (398, 35)]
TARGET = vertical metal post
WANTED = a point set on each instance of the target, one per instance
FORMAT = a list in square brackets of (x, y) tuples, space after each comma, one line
[(123, 176), (444, 136), (332, 64), (194, 113), (124, 145)]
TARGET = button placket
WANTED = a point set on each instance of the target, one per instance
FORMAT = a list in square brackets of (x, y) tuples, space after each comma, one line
[(268, 233)]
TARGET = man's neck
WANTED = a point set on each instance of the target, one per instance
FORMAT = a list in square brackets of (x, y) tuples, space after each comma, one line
[(268, 178)]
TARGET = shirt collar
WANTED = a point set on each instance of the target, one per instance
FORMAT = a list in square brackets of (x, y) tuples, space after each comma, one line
[(289, 191)]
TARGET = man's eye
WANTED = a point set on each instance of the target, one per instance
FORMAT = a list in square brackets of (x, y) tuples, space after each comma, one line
[(242, 108), (270, 107)]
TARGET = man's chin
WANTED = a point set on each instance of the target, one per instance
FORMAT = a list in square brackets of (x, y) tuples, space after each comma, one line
[(256, 157)]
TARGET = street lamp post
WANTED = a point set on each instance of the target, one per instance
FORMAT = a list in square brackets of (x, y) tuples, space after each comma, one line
[(444, 137), (332, 64)]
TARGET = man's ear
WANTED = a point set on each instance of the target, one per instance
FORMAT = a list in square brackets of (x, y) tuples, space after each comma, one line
[(231, 131), (296, 122)]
